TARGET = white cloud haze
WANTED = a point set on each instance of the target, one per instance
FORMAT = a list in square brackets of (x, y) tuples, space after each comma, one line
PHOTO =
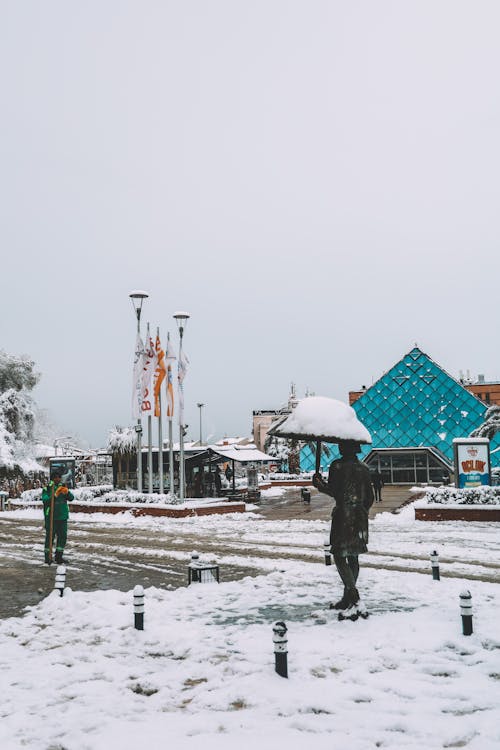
[(316, 182)]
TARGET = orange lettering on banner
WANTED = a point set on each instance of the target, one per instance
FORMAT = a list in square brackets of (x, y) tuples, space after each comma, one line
[(146, 405), (468, 466)]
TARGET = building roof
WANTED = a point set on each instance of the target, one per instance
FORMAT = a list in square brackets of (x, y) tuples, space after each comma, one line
[(417, 403)]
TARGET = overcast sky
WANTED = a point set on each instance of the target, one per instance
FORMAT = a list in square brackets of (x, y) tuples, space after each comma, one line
[(316, 182)]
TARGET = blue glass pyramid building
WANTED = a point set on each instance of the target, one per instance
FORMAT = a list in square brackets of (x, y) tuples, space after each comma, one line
[(412, 412)]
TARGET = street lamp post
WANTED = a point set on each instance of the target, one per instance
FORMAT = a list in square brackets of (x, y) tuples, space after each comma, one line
[(181, 318), (200, 407), (137, 297)]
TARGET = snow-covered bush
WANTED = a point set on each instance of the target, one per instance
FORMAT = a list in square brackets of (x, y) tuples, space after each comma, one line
[(122, 440), (17, 414), (106, 494), (470, 496)]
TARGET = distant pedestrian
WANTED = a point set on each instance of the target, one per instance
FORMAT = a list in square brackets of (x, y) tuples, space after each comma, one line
[(218, 482), (55, 498), (229, 473), (377, 483)]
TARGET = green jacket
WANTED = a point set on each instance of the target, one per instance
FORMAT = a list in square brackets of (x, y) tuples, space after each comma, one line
[(61, 510)]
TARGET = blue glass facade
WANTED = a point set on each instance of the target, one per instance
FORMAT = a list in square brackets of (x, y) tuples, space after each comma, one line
[(415, 404)]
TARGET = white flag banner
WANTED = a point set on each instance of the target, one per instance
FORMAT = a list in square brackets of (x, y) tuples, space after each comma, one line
[(148, 371), (137, 392), (169, 351), (182, 366)]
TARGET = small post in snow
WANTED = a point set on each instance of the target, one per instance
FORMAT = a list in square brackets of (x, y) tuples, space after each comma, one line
[(328, 554), (466, 612), (306, 495), (139, 607), (60, 581), (280, 649), (435, 565), (193, 568)]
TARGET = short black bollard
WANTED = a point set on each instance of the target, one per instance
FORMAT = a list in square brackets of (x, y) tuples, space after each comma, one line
[(60, 581), (306, 495), (435, 565), (139, 607), (280, 648), (193, 568), (328, 553), (466, 612)]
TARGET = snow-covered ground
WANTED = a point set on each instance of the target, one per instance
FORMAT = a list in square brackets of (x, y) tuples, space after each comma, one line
[(75, 674)]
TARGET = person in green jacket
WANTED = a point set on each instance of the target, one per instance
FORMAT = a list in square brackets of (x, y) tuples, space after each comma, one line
[(61, 496)]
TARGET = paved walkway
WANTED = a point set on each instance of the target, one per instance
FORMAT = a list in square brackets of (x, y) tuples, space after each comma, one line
[(393, 497)]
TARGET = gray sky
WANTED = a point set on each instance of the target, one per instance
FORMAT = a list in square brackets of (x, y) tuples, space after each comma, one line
[(315, 182)]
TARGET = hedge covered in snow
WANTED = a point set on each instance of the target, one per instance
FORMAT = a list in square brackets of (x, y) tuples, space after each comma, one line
[(471, 496), (105, 494)]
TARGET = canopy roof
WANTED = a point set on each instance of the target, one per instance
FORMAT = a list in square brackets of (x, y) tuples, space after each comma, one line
[(242, 454)]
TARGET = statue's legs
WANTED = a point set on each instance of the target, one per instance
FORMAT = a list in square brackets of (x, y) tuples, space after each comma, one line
[(348, 570)]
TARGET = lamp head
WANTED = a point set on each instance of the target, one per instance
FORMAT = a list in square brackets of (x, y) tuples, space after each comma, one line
[(181, 318), (137, 298)]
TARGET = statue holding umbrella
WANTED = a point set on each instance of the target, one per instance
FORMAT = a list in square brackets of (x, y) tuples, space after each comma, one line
[(322, 419)]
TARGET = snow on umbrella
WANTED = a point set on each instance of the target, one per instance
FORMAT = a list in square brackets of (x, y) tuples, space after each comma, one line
[(323, 420)]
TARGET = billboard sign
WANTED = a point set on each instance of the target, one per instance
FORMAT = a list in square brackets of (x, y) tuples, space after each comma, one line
[(67, 468), (472, 462)]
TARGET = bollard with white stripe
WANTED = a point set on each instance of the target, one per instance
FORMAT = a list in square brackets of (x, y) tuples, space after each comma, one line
[(193, 568), (139, 607), (466, 612), (328, 553), (60, 581), (435, 565), (280, 649)]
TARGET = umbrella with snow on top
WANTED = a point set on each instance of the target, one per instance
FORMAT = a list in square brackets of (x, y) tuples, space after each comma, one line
[(322, 419)]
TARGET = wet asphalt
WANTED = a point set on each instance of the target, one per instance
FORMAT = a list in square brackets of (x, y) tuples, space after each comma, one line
[(102, 556)]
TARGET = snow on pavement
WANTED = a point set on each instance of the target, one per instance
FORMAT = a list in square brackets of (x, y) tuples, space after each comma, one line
[(75, 674)]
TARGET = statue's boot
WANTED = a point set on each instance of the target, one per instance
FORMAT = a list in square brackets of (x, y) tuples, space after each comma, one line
[(342, 603)]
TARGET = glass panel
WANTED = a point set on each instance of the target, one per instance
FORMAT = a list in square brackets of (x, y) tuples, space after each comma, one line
[(435, 462), (402, 460), (421, 459), (385, 462), (436, 475), (386, 477), (403, 476), (421, 475)]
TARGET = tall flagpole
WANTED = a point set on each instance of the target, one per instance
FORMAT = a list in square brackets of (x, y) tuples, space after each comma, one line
[(181, 319), (160, 435), (150, 419), (170, 416), (150, 454), (171, 455), (182, 471), (137, 298)]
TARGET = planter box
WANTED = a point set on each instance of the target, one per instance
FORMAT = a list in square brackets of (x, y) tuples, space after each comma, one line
[(291, 483), (458, 513), (149, 510)]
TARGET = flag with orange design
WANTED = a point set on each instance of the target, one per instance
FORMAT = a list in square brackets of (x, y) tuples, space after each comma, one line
[(170, 357), (159, 374)]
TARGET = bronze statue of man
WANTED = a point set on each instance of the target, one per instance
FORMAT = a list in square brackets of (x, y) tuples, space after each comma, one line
[(350, 485)]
